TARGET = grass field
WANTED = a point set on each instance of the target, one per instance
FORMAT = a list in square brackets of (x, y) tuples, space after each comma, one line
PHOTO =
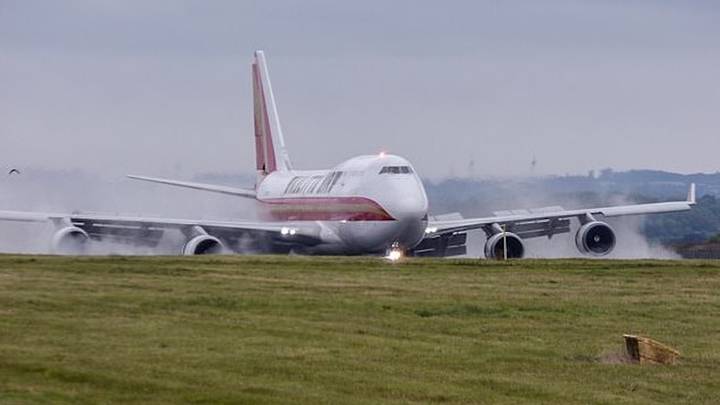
[(352, 330)]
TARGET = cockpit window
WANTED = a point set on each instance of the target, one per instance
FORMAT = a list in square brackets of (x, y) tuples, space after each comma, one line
[(396, 170)]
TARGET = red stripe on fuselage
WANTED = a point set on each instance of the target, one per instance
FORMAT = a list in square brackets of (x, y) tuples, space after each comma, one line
[(324, 209)]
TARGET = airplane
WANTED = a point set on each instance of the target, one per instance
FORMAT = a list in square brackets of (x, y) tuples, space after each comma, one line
[(368, 205)]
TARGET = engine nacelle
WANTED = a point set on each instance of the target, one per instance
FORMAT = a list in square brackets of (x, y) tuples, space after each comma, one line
[(495, 246), (70, 240), (203, 245), (595, 238)]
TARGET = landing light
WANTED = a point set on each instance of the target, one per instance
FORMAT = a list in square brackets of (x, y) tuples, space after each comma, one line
[(394, 255), (430, 229), (285, 231)]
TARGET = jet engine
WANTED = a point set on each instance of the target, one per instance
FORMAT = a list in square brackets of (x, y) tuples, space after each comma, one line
[(495, 245), (203, 245), (69, 240), (595, 239)]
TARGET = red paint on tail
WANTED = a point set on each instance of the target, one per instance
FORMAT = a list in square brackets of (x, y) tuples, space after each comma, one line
[(264, 149)]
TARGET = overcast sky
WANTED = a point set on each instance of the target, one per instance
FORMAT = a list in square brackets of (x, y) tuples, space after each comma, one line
[(163, 87)]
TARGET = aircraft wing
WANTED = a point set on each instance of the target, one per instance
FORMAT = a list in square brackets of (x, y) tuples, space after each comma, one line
[(147, 231), (550, 221)]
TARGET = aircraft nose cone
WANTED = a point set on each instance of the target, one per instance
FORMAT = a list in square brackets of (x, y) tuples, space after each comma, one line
[(406, 200), (410, 208), (411, 216)]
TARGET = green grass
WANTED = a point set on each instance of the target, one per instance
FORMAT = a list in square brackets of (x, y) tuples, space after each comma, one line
[(352, 330)]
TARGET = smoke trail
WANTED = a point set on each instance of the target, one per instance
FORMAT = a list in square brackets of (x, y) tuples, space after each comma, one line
[(523, 194), (67, 192), (76, 191)]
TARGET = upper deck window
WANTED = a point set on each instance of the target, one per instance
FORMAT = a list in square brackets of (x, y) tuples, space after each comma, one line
[(318, 184), (396, 170)]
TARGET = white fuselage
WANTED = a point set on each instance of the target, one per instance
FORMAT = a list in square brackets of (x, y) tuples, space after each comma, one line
[(364, 205)]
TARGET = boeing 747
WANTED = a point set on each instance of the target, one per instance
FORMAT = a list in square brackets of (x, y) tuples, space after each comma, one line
[(371, 204)]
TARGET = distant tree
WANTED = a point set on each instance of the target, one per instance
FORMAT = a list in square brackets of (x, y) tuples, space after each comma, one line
[(715, 239), (696, 225)]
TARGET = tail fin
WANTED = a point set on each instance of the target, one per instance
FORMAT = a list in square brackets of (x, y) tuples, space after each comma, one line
[(270, 150)]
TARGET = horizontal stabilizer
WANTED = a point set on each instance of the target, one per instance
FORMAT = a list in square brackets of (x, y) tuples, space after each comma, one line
[(239, 192)]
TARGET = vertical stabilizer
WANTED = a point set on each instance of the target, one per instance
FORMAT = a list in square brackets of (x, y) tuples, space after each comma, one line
[(270, 151)]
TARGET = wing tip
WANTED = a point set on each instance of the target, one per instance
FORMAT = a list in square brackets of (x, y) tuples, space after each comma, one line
[(691, 197)]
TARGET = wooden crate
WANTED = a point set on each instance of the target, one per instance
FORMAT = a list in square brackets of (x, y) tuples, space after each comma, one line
[(645, 350)]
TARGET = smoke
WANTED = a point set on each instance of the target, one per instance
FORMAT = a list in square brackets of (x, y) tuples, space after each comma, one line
[(26, 238), (630, 243), (64, 192), (77, 191), (525, 194)]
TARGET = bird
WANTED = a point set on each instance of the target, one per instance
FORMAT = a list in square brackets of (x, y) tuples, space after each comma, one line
[(13, 171)]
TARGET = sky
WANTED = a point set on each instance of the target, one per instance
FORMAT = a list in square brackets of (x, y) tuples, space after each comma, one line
[(459, 88)]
